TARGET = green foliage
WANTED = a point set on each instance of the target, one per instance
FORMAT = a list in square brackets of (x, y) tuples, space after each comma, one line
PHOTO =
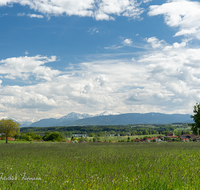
[(9, 128), (91, 134), (53, 136), (83, 139), (94, 139), (196, 118), (178, 139), (145, 132), (28, 136), (123, 130)]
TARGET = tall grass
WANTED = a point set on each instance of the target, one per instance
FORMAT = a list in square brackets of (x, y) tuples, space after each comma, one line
[(142, 166)]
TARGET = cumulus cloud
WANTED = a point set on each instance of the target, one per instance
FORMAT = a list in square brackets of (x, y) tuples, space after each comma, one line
[(127, 42), (183, 14), (20, 97), (155, 43), (102, 79), (24, 67), (165, 79), (100, 10)]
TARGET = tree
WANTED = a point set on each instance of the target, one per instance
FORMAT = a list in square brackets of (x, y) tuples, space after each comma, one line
[(196, 118), (91, 134), (9, 128), (53, 136)]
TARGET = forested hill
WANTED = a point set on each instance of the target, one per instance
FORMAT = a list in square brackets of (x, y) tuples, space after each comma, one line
[(111, 129)]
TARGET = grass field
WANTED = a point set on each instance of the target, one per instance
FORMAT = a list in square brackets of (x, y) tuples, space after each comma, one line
[(142, 166)]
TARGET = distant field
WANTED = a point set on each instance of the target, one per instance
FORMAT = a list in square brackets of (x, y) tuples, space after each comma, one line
[(142, 166), (183, 129), (116, 138)]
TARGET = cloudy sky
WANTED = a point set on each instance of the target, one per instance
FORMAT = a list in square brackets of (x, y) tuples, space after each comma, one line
[(91, 56)]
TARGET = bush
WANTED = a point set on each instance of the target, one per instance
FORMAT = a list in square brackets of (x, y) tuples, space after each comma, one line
[(53, 136), (94, 139)]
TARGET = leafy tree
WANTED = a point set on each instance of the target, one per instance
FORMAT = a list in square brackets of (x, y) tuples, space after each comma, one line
[(94, 139), (9, 128), (134, 133), (140, 133), (196, 118), (91, 134), (98, 134), (154, 132), (53, 136), (145, 132), (62, 135), (69, 134)]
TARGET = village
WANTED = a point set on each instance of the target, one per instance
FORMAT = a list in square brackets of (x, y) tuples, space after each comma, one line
[(171, 137)]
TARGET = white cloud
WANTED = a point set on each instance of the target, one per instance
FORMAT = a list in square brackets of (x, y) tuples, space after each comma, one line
[(165, 79), (113, 47), (20, 98), (26, 52), (24, 67), (102, 79), (127, 42), (93, 30), (183, 14), (146, 1), (30, 15), (100, 10), (21, 14), (35, 16), (155, 43)]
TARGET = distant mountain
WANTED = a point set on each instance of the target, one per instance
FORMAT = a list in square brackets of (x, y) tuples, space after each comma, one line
[(106, 113), (134, 118), (63, 121), (77, 119), (24, 123)]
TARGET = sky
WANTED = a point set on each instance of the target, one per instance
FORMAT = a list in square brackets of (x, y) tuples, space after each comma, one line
[(91, 56)]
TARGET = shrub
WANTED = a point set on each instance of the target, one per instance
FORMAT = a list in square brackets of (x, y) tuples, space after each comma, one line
[(53, 136)]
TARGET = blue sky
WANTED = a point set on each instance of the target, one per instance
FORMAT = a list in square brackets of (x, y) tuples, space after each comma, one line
[(119, 56)]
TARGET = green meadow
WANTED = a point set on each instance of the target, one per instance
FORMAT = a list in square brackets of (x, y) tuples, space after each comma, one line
[(99, 166)]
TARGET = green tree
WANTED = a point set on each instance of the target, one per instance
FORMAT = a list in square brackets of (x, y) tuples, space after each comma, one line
[(91, 134), (53, 136), (196, 118), (9, 128), (94, 139), (145, 132)]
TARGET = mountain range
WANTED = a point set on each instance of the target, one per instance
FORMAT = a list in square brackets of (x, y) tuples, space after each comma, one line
[(106, 118)]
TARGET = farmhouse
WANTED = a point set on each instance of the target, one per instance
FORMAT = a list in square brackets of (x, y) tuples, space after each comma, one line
[(157, 139), (188, 136), (171, 136)]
